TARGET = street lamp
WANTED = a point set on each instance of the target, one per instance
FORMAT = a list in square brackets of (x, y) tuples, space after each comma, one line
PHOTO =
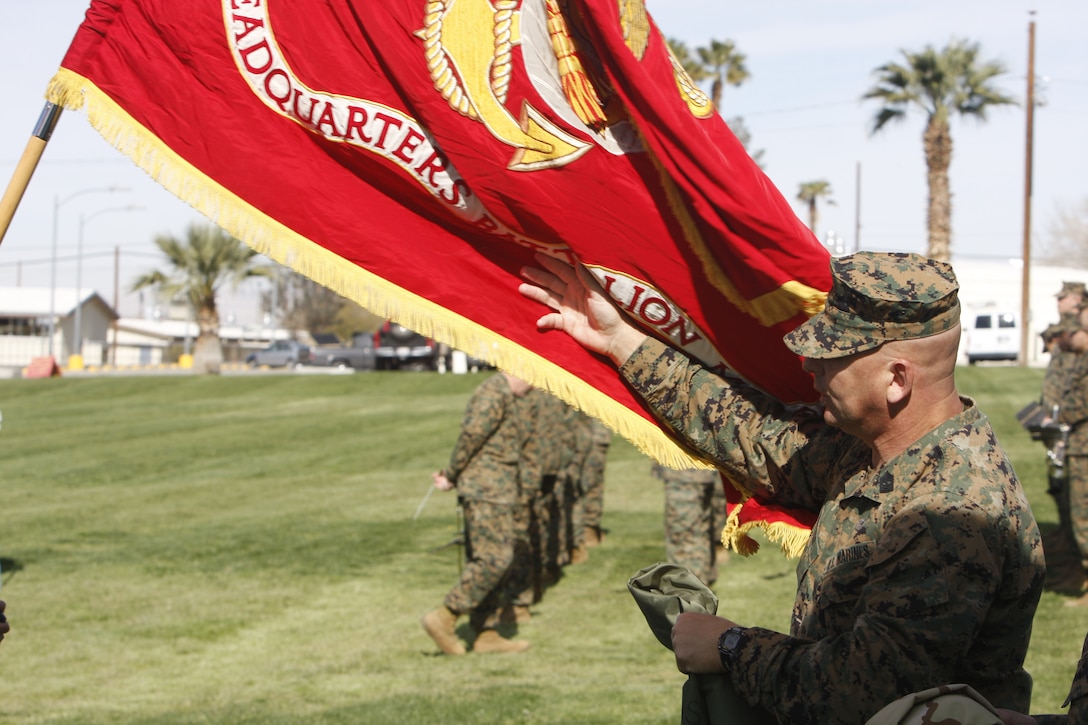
[(57, 204), (83, 219)]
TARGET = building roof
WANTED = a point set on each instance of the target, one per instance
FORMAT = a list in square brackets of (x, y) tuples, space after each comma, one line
[(180, 329), (39, 301)]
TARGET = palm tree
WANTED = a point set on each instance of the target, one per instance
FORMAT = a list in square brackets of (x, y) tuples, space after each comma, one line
[(940, 83), (810, 193), (691, 65), (199, 265), (725, 64)]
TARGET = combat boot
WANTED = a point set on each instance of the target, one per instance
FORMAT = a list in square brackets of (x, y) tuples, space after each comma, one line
[(491, 641), (439, 624), (579, 555), (516, 614), (594, 536)]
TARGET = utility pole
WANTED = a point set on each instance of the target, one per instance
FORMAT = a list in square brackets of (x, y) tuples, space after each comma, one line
[(1025, 285)]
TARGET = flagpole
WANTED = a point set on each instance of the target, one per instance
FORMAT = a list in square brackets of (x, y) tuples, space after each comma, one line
[(43, 130)]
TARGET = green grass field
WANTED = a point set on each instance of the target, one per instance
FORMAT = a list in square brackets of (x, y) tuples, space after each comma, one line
[(241, 549)]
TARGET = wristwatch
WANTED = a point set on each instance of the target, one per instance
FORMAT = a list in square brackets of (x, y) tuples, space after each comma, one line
[(728, 643)]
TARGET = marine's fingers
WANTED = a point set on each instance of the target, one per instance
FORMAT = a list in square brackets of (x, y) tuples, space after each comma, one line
[(559, 267), (544, 278), (539, 294), (550, 321)]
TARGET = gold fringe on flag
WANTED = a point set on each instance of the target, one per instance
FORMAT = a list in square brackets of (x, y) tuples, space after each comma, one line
[(737, 536), (770, 308), (287, 247), (579, 91)]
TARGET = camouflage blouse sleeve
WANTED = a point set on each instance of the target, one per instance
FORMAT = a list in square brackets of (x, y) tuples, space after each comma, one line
[(906, 625), (784, 453), (483, 415)]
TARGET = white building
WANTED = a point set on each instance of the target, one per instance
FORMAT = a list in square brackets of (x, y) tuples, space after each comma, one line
[(998, 285), (25, 313), (25, 321)]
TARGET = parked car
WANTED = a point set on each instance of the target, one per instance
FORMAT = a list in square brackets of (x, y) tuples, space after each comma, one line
[(358, 355), (396, 348), (992, 334), (282, 353)]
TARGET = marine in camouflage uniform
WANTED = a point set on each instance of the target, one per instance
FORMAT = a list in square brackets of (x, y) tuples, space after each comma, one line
[(593, 484), (585, 473), (694, 519), (1074, 413), (484, 468), (924, 566), (923, 570), (1062, 544), (548, 451)]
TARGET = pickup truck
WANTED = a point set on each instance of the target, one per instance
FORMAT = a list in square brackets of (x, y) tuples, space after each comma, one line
[(280, 354), (398, 348), (356, 355)]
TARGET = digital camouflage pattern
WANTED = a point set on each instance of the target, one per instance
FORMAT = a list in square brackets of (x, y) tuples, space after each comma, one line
[(585, 474), (1072, 288), (876, 297), (1061, 361), (546, 457), (694, 519), (924, 572), (1074, 413), (593, 474), (484, 467), (490, 533), (943, 705), (484, 461)]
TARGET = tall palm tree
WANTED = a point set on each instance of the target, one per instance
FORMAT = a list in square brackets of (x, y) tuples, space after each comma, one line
[(690, 64), (812, 192), (939, 83), (725, 64), (199, 265)]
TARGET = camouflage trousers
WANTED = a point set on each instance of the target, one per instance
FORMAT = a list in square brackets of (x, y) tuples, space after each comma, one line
[(490, 546), (539, 557), (1076, 481), (694, 519), (592, 500)]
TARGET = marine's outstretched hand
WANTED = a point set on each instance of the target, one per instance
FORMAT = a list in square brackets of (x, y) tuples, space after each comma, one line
[(581, 308)]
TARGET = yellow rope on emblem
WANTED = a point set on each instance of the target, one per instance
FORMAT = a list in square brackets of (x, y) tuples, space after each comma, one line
[(635, 23), (579, 91)]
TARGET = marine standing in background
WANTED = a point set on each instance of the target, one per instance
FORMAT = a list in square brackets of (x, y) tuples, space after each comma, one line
[(593, 484), (694, 519), (1069, 300), (548, 452), (1060, 546), (1074, 413), (585, 477), (484, 469)]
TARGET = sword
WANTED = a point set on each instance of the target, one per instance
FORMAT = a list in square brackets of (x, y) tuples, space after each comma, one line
[(419, 509)]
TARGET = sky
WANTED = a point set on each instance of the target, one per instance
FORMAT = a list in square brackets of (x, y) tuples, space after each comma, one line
[(810, 63)]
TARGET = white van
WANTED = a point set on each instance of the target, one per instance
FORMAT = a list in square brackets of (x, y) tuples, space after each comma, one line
[(992, 334)]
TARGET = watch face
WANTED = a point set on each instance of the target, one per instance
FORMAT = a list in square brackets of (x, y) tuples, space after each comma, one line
[(732, 639)]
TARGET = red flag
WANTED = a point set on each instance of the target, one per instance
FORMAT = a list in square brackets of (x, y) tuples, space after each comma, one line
[(414, 155)]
